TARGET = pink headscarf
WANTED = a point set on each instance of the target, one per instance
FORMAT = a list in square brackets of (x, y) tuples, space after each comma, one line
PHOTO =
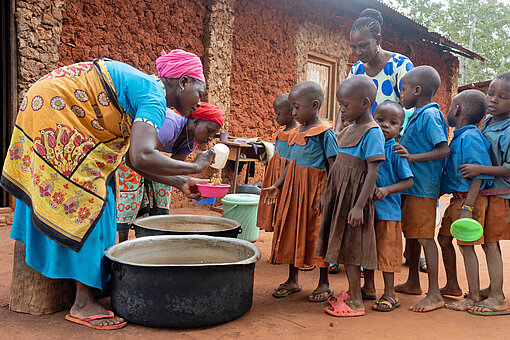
[(179, 63)]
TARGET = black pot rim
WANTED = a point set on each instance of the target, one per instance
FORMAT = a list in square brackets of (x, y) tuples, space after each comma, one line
[(197, 218), (213, 239)]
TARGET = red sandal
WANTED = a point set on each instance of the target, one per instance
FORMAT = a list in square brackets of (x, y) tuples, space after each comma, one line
[(341, 297), (341, 309)]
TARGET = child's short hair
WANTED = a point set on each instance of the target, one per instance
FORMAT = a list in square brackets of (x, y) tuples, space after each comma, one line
[(425, 76), (473, 105), (310, 89), (393, 106), (505, 76), (282, 100)]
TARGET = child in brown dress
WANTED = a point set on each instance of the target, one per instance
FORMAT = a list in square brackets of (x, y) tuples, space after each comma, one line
[(347, 233), (296, 229), (280, 159)]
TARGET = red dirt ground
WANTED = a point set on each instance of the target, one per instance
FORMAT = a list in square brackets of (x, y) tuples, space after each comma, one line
[(289, 318)]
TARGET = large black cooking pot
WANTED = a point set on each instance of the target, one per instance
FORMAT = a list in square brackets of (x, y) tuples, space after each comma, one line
[(182, 281), (186, 225)]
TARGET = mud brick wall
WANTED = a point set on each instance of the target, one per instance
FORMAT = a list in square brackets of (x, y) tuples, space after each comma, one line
[(38, 28), (131, 31)]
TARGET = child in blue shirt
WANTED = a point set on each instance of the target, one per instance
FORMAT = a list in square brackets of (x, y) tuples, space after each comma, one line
[(424, 145), (496, 128), (347, 233), (468, 146), (394, 177)]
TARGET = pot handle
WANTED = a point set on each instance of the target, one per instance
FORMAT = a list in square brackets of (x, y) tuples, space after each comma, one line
[(229, 210)]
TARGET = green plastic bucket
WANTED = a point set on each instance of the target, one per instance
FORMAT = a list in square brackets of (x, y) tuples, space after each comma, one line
[(243, 209)]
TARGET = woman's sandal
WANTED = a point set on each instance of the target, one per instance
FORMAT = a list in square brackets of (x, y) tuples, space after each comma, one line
[(386, 304), (341, 309), (86, 321)]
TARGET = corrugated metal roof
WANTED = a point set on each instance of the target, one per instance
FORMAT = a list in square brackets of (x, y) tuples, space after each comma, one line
[(398, 18), (481, 85)]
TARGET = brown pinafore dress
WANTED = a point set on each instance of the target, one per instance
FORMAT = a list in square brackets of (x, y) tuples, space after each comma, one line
[(338, 241)]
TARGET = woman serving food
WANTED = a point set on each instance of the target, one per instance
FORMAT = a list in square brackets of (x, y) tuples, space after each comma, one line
[(73, 129)]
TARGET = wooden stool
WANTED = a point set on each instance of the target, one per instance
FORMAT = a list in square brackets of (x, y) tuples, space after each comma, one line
[(34, 293)]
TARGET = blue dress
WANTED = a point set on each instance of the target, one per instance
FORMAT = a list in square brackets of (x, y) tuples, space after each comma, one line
[(338, 241)]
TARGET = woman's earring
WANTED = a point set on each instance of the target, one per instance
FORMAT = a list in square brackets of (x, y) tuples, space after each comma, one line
[(181, 88)]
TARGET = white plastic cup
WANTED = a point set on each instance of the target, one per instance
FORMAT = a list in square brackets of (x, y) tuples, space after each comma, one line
[(222, 151)]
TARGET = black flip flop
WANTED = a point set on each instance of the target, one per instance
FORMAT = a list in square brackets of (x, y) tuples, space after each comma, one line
[(329, 291), (289, 291)]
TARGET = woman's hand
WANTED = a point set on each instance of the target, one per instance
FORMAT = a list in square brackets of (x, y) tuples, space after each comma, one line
[(470, 170), (203, 159), (381, 193), (270, 194), (399, 149), (355, 217), (190, 189)]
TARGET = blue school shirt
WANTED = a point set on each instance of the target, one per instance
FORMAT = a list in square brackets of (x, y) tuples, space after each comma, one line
[(392, 170), (371, 144), (426, 128), (498, 135), (311, 154), (140, 95), (468, 146), (283, 147)]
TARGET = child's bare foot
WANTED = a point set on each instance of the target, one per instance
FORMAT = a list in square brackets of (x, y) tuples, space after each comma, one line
[(461, 305), (452, 290), (490, 305), (429, 303), (408, 288)]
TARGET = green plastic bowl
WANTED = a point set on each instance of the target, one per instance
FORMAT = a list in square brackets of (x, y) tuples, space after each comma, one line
[(466, 229)]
